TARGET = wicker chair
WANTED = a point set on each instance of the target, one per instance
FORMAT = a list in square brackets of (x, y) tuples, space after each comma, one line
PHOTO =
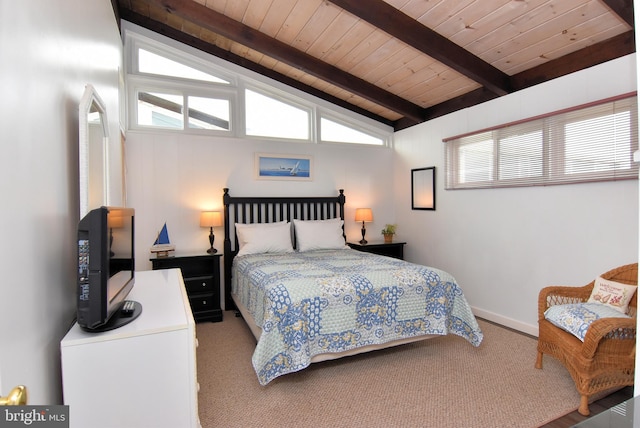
[(606, 358)]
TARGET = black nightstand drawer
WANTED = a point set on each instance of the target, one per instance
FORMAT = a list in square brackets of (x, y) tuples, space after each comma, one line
[(200, 284), (201, 275), (202, 302), (190, 266)]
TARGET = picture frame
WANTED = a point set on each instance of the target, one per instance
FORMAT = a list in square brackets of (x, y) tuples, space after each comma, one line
[(423, 188), (283, 167)]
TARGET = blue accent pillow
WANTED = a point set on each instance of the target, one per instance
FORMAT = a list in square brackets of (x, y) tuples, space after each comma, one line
[(577, 317)]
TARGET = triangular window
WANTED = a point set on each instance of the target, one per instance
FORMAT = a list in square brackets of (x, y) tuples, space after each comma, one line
[(335, 132), (269, 117), (149, 62)]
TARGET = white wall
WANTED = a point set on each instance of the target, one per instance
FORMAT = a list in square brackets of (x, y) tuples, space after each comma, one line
[(50, 50), (504, 245), (173, 176), (518, 241)]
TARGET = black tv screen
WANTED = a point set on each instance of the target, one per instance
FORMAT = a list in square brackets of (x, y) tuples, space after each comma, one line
[(106, 268)]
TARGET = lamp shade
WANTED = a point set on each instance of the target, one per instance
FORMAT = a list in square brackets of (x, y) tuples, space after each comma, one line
[(115, 221), (210, 219), (364, 214)]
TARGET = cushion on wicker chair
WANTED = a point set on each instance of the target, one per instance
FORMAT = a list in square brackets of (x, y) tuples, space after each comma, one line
[(612, 293), (577, 317)]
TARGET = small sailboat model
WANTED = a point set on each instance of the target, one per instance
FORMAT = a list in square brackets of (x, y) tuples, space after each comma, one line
[(161, 247)]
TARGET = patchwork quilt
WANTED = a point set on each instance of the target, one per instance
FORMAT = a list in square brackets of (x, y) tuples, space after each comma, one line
[(330, 301)]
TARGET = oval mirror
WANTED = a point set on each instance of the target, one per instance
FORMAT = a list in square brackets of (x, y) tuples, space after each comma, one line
[(93, 152)]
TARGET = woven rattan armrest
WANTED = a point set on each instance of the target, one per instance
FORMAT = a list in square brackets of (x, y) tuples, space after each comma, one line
[(606, 358), (617, 334), (561, 295)]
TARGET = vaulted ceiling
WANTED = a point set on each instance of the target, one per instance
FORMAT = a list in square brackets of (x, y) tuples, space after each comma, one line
[(400, 62)]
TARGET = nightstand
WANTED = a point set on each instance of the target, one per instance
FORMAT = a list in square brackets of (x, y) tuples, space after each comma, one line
[(116, 265), (201, 274), (394, 249)]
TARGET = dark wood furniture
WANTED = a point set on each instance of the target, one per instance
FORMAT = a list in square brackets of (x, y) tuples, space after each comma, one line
[(116, 265), (394, 249), (201, 274), (268, 210)]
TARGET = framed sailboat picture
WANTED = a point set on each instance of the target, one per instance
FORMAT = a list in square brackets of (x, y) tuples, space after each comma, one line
[(283, 167)]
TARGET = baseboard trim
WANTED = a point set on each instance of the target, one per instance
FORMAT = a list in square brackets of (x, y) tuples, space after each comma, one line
[(506, 321)]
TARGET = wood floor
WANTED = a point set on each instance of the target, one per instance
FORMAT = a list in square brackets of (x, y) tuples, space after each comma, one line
[(601, 405)]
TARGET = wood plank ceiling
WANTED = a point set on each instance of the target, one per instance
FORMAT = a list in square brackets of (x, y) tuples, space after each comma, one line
[(401, 62)]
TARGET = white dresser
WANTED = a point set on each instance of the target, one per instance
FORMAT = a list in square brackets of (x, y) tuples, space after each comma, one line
[(142, 374)]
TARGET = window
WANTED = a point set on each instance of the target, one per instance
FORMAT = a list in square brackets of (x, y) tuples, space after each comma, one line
[(335, 132), (182, 90), (162, 110), (593, 143), (171, 90), (208, 113), (148, 62), (269, 117)]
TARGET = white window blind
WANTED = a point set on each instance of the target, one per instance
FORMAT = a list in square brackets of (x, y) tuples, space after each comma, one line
[(589, 143)]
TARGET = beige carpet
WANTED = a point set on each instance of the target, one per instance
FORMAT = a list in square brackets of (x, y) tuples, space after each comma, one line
[(443, 382)]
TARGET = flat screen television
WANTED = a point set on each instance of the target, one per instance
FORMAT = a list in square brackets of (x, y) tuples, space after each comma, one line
[(106, 269)]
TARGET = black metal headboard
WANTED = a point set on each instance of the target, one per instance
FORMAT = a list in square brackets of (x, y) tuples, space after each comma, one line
[(269, 210)]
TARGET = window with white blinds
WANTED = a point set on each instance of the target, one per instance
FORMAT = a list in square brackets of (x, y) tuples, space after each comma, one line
[(593, 143)]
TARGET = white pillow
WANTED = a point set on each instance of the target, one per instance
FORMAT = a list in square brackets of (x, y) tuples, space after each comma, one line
[(613, 294), (319, 234), (257, 238)]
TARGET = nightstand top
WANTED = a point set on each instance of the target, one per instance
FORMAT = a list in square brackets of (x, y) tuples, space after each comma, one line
[(179, 255), (375, 243), (391, 249)]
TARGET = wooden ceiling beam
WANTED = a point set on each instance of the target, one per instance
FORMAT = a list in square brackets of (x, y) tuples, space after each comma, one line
[(209, 19), (622, 8), (189, 40), (401, 26), (616, 47), (189, 10)]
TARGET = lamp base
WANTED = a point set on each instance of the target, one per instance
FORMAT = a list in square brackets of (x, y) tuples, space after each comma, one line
[(364, 231), (211, 250)]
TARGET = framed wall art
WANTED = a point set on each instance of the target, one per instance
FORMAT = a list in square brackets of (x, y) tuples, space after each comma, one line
[(283, 167)]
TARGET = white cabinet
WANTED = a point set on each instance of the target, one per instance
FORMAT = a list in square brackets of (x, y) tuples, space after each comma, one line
[(142, 374)]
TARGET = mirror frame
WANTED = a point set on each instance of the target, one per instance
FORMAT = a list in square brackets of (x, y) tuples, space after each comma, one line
[(91, 101), (423, 188)]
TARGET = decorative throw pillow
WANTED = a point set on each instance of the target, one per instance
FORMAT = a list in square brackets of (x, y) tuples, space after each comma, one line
[(319, 234), (613, 294), (577, 317), (257, 238)]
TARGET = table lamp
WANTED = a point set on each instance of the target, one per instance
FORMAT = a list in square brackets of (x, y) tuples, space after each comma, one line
[(364, 215), (114, 221), (210, 219)]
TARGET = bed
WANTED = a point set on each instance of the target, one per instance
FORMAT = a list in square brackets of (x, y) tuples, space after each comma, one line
[(308, 297)]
